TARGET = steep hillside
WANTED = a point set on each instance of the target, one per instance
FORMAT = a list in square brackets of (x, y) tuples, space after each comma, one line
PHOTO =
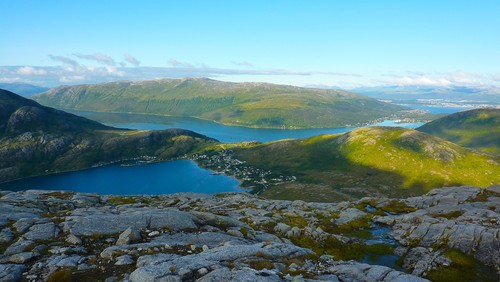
[(244, 104), (375, 161), (479, 129), (35, 139)]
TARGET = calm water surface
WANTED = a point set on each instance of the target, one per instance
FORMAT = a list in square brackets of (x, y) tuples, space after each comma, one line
[(223, 133), (149, 179)]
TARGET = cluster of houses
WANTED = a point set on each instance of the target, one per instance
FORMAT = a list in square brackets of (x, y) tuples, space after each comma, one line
[(225, 162)]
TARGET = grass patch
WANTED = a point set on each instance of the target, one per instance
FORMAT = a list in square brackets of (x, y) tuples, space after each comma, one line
[(117, 200), (61, 275), (260, 264), (396, 207), (450, 215), (61, 195), (462, 268), (340, 251)]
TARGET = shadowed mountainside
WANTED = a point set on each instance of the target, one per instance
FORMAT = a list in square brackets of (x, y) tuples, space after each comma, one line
[(35, 139)]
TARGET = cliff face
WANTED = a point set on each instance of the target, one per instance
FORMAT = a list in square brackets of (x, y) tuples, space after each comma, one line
[(47, 235)]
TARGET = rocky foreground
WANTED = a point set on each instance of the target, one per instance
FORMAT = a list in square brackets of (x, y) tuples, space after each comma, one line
[(65, 236)]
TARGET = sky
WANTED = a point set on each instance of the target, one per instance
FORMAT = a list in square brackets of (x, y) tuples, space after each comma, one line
[(304, 43)]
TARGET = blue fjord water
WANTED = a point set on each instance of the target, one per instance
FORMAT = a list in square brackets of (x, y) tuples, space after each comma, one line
[(223, 133), (149, 179)]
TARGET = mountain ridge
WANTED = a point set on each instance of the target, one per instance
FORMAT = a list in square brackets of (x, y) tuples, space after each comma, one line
[(245, 104)]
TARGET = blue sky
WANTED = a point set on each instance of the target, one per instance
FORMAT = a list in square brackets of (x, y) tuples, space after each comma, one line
[(337, 43)]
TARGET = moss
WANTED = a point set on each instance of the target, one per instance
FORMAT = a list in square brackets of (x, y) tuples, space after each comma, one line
[(244, 231), (326, 222), (297, 221), (450, 215), (395, 206), (482, 196), (354, 225), (300, 272), (462, 268), (260, 264), (122, 200), (60, 275), (268, 226), (61, 195), (342, 251), (261, 254), (414, 242)]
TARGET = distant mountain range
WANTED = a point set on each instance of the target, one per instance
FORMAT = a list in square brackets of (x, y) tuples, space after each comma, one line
[(35, 139), (409, 92), (245, 104), (23, 89)]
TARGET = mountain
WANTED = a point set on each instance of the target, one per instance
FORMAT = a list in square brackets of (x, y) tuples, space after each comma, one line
[(23, 89), (244, 104), (411, 92), (35, 139), (370, 161), (479, 129)]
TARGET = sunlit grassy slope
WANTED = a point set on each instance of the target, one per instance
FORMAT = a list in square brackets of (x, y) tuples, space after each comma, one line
[(245, 104), (383, 161), (479, 129)]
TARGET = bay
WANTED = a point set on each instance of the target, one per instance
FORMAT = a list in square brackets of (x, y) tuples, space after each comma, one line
[(149, 179)]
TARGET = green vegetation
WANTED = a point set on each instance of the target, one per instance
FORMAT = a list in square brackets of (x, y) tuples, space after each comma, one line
[(372, 161), (479, 129), (245, 104), (60, 275), (57, 141), (462, 268)]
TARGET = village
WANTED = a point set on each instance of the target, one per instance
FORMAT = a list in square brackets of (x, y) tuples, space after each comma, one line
[(250, 177)]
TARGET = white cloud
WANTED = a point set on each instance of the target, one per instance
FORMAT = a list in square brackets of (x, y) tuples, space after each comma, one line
[(64, 60), (176, 63), (436, 79), (242, 64), (114, 71), (131, 60), (97, 57), (422, 80), (72, 78), (496, 77), (26, 70)]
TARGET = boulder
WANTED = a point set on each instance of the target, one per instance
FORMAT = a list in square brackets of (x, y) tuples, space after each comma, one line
[(349, 215), (130, 235), (11, 272)]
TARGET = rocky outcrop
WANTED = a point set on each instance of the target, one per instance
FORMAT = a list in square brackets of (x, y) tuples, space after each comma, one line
[(240, 237)]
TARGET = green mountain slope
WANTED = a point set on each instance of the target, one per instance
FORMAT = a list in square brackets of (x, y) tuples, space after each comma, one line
[(479, 129), (375, 161), (244, 104), (35, 139)]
